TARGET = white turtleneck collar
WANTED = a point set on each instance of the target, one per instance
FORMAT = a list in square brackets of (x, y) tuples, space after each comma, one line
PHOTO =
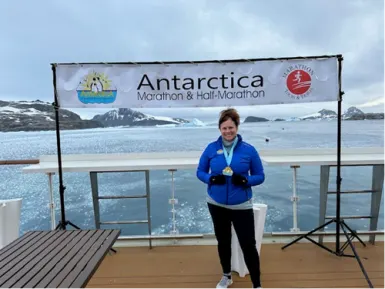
[(228, 144)]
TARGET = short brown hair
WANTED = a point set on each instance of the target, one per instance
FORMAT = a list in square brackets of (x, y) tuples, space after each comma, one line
[(229, 113)]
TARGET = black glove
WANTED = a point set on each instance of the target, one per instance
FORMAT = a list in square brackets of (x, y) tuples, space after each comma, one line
[(238, 180), (218, 180)]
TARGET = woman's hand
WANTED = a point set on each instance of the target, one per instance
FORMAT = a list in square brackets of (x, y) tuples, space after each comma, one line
[(239, 180), (218, 180)]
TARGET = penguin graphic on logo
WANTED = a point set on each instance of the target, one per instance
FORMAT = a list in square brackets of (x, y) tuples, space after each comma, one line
[(96, 85)]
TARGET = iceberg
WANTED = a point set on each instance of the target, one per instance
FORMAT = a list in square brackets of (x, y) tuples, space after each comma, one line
[(194, 123)]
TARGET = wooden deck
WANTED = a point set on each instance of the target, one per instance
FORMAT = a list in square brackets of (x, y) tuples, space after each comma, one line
[(300, 265)]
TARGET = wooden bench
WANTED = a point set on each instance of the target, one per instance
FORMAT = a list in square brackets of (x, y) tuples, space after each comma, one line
[(59, 258)]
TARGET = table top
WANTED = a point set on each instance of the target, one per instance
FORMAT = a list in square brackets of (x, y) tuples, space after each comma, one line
[(116, 162), (349, 156), (190, 159), (58, 258)]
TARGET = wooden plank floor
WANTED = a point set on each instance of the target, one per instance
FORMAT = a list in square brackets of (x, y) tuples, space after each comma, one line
[(300, 265)]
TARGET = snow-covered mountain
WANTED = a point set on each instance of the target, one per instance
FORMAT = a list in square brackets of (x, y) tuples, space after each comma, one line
[(38, 115), (352, 113), (129, 117), (322, 114)]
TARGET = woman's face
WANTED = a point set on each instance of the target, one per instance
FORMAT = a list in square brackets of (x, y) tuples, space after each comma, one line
[(228, 129)]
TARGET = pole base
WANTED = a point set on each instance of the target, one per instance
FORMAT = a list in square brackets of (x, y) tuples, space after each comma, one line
[(63, 225), (340, 251)]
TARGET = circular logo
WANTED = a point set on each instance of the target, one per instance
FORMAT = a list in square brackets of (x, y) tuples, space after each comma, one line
[(298, 82)]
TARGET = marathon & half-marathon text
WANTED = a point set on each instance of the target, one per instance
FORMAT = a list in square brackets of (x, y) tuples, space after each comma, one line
[(200, 95)]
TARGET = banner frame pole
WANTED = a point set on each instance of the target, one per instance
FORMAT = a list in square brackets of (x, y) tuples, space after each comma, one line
[(222, 61)]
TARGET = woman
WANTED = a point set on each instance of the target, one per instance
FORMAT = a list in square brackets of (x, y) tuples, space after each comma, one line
[(224, 166)]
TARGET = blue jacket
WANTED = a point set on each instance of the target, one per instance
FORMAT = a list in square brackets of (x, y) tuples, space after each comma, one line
[(245, 159)]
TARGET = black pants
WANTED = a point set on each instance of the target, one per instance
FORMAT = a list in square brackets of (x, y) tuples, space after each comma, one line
[(243, 222)]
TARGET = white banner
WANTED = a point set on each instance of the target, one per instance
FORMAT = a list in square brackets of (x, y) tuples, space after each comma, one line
[(197, 84)]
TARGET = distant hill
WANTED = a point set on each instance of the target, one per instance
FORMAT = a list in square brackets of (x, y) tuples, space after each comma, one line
[(129, 117), (37, 116), (40, 116), (255, 119), (352, 113)]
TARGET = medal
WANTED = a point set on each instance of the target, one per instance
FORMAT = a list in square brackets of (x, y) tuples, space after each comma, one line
[(227, 171)]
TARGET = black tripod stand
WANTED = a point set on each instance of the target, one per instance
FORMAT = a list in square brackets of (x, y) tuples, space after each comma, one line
[(63, 223), (340, 223)]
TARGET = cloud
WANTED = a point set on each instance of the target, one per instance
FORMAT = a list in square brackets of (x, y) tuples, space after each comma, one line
[(375, 102), (369, 97), (33, 36)]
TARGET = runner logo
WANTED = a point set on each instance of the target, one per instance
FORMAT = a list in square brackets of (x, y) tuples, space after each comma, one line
[(298, 81)]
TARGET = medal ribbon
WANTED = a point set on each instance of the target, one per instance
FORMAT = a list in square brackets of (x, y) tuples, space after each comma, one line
[(229, 156)]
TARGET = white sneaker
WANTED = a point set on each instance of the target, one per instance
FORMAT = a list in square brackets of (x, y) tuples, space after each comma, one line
[(224, 282)]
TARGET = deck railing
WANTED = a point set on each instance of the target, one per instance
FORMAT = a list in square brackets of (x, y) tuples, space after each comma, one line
[(173, 201), (19, 162)]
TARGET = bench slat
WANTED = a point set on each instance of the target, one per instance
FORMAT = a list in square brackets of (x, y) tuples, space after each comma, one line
[(32, 273), (93, 263), (17, 244), (54, 258), (65, 265), (85, 255), (26, 253)]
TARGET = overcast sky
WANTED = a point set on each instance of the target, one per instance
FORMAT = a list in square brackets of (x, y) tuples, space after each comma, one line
[(34, 34)]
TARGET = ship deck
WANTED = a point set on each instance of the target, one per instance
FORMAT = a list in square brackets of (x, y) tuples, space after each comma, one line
[(197, 266)]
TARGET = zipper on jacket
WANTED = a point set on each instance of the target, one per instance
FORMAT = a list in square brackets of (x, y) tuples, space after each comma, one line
[(227, 191)]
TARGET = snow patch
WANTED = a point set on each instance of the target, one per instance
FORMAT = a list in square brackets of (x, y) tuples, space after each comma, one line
[(161, 118), (9, 109), (195, 122)]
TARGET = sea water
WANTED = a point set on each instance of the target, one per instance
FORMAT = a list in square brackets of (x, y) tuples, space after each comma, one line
[(191, 211)]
